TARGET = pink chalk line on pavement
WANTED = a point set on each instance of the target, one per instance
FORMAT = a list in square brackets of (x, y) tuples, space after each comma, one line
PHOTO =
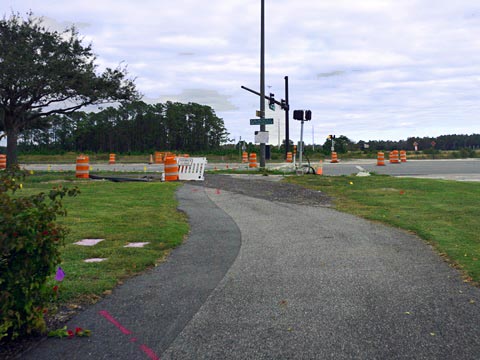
[(149, 352)]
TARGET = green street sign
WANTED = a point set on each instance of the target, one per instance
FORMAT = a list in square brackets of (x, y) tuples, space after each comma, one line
[(268, 121)]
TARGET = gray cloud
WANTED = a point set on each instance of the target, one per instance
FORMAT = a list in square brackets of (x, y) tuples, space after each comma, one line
[(330, 74), (219, 102)]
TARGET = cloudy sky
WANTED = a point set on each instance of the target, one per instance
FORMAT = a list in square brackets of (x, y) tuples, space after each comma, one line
[(369, 69)]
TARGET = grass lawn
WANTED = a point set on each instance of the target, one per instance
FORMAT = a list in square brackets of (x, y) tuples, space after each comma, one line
[(444, 213), (119, 213)]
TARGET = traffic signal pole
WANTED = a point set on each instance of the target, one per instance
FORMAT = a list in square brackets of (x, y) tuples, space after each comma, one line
[(287, 135), (301, 145), (262, 80)]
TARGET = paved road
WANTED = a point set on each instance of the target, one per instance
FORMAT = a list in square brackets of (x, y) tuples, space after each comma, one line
[(461, 169), (308, 283), (444, 169)]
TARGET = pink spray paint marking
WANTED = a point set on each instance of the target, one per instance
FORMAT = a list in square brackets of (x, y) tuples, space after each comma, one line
[(217, 191), (146, 350), (110, 318), (149, 352)]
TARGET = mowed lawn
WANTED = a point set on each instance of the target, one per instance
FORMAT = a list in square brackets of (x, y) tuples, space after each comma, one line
[(444, 213), (120, 213)]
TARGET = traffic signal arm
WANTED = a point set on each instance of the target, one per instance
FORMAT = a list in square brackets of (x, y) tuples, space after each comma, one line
[(282, 105)]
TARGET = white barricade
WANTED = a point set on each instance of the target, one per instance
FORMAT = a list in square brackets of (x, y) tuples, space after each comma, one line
[(191, 168)]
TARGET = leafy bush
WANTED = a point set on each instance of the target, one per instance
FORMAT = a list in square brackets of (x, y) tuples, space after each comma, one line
[(466, 153), (29, 253)]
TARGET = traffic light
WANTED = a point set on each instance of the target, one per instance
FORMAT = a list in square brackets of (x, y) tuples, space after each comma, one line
[(308, 115), (271, 102), (330, 137), (298, 114), (294, 149)]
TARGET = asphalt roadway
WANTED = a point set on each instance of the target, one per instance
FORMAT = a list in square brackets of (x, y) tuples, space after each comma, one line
[(262, 280), (451, 169)]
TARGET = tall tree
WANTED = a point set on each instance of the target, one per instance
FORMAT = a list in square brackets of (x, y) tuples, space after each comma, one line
[(45, 72)]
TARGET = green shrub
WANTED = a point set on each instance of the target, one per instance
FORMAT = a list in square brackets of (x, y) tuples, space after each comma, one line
[(467, 153), (29, 253)]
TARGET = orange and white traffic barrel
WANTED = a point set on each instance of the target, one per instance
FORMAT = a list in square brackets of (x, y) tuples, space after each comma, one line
[(244, 157), (403, 156), (3, 161), (82, 167), (111, 159), (393, 157), (171, 168), (252, 160), (289, 157), (334, 158), (380, 159), (158, 157)]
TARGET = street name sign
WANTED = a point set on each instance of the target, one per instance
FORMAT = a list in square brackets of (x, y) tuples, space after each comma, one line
[(268, 121)]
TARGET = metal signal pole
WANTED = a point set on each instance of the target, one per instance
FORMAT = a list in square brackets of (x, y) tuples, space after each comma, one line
[(287, 108), (262, 80)]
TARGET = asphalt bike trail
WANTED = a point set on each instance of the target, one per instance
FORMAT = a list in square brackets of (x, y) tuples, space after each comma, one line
[(312, 283)]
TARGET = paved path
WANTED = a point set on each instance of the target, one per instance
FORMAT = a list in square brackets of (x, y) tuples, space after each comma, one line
[(308, 283)]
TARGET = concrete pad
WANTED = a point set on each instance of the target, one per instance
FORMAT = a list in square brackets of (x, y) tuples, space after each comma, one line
[(94, 260), (136, 244), (88, 242)]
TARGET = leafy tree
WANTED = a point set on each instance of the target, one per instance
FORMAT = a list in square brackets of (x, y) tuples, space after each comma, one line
[(342, 144), (45, 72)]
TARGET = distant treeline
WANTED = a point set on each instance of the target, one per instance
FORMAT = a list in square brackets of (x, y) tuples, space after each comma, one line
[(132, 128), (443, 142)]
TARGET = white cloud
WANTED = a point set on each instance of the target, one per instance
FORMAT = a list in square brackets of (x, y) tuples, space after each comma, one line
[(371, 69)]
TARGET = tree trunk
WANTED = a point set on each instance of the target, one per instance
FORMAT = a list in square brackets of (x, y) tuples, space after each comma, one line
[(12, 136)]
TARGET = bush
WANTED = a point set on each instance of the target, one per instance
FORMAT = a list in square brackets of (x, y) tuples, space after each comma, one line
[(29, 253), (466, 153)]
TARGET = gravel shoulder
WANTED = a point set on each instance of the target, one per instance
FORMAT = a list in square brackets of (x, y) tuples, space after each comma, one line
[(267, 188)]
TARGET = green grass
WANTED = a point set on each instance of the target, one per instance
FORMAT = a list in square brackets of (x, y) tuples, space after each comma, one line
[(444, 213), (119, 213)]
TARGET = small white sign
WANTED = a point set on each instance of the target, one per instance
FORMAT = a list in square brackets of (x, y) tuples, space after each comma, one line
[(185, 161), (261, 137)]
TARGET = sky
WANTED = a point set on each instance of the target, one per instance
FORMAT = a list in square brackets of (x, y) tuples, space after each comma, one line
[(369, 70)]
